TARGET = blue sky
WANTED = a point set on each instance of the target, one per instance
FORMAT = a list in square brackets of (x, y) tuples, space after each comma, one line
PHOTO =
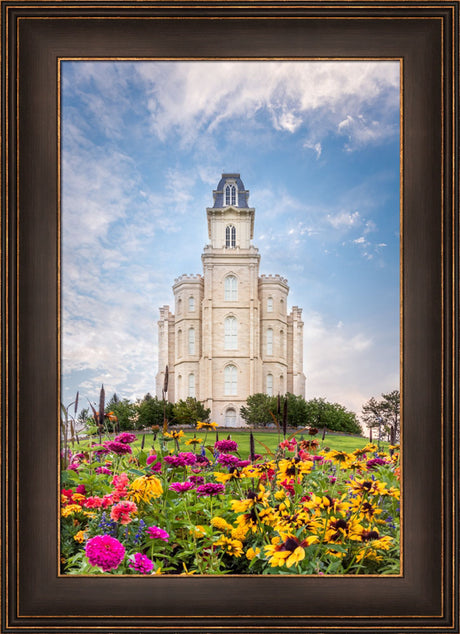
[(143, 146)]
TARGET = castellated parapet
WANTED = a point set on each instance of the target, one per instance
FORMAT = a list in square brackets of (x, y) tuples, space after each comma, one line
[(273, 279), (192, 278)]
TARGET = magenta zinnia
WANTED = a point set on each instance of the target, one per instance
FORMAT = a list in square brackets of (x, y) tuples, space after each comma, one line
[(226, 445), (104, 551), (119, 448), (125, 437), (181, 487), (141, 564), (227, 459), (210, 488), (154, 532)]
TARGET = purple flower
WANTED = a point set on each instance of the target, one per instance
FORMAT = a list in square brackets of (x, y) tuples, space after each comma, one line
[(154, 532), (210, 488), (226, 445), (119, 448), (181, 460), (141, 564), (243, 463), (227, 459), (104, 551), (125, 437), (375, 462), (197, 480), (73, 467), (181, 487), (151, 459), (81, 489)]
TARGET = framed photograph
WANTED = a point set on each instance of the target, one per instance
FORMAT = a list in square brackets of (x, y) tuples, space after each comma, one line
[(58, 63)]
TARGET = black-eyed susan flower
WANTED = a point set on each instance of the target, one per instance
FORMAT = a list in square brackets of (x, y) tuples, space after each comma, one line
[(175, 435), (291, 551), (194, 441), (205, 425)]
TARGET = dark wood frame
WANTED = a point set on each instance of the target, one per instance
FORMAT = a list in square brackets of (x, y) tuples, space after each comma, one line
[(425, 36)]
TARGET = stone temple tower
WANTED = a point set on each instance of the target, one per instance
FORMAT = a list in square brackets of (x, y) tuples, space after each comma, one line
[(230, 335)]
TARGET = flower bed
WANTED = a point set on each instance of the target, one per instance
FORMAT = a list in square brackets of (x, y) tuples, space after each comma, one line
[(201, 508)]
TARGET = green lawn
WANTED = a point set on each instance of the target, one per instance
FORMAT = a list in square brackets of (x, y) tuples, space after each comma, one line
[(270, 439)]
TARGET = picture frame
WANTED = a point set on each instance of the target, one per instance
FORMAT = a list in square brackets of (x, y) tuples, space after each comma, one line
[(425, 38)]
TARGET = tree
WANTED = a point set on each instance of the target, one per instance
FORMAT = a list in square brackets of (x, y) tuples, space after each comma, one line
[(384, 414), (150, 412), (257, 410), (124, 410), (189, 412), (297, 410), (333, 416)]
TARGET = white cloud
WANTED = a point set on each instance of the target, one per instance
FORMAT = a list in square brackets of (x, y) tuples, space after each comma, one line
[(194, 98), (342, 362)]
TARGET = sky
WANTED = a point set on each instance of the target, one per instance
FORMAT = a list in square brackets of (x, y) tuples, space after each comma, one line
[(143, 146)]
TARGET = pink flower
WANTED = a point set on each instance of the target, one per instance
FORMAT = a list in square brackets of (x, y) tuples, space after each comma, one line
[(120, 512), (181, 487), (290, 445), (104, 551), (155, 467), (196, 479), (227, 459), (181, 460), (154, 532), (107, 500), (119, 448), (151, 458), (141, 564), (243, 463), (211, 488), (226, 445), (93, 502), (125, 437), (81, 489)]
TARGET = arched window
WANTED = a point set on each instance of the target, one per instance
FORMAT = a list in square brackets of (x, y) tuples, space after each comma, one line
[(230, 194), (179, 343), (230, 380), (191, 341), (281, 390), (231, 333), (191, 385), (282, 306), (230, 237), (282, 344), (270, 341), (270, 384), (179, 306), (179, 388), (191, 304), (230, 417), (231, 288), (270, 305)]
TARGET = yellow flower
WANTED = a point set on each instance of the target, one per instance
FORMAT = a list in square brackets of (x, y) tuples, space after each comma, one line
[(174, 434), (198, 531), (221, 524), (78, 497), (239, 533), (276, 557), (222, 477), (80, 537), (341, 458), (231, 546), (194, 441), (252, 552), (297, 555), (186, 572), (293, 467), (144, 488), (70, 509), (211, 426), (279, 495)]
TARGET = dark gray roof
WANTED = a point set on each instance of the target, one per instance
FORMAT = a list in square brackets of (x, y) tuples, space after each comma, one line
[(218, 193)]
